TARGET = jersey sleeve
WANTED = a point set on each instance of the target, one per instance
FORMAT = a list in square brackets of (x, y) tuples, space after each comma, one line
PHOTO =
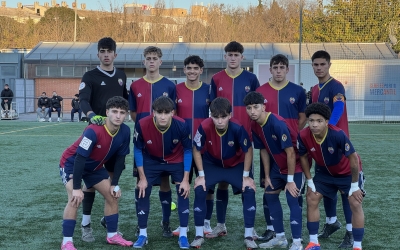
[(302, 102), (283, 135), (344, 144), (258, 144), (124, 148), (199, 138), (138, 137), (255, 83), (211, 94), (213, 90), (185, 137), (244, 139), (85, 90), (88, 141), (132, 100), (300, 146)]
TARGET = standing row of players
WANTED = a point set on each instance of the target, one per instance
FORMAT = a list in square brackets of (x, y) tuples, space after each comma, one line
[(192, 104)]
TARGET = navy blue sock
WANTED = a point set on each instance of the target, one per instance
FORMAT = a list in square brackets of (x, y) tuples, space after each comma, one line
[(313, 227), (300, 199), (330, 206), (199, 206), (144, 208), (112, 223), (275, 209), (165, 199), (183, 208), (136, 200), (346, 208), (266, 212), (210, 208), (222, 204), (295, 215), (87, 202), (358, 234), (249, 207), (68, 228)]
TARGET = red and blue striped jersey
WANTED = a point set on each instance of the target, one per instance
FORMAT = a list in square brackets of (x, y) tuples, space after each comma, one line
[(330, 155), (192, 105), (275, 135), (98, 145), (332, 91), (164, 146), (235, 88), (287, 101), (225, 150), (143, 93)]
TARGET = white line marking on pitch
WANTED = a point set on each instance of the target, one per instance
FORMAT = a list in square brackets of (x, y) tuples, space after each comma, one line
[(14, 131)]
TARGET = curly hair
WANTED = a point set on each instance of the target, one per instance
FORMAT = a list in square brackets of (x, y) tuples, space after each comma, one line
[(318, 108)]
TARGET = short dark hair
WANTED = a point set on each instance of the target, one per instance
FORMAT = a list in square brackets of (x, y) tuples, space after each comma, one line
[(194, 60), (6, 84), (163, 104), (279, 58), (107, 43), (318, 108), (44, 93), (152, 49), (321, 54), (117, 102), (253, 98), (234, 47), (76, 95), (220, 106)]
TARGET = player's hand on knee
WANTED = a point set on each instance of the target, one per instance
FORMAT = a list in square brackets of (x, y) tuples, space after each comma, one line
[(115, 192), (142, 185), (356, 192), (200, 181), (184, 189), (310, 184), (77, 197), (248, 182), (292, 188)]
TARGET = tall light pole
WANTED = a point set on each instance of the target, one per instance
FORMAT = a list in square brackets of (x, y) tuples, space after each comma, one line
[(300, 36), (76, 7)]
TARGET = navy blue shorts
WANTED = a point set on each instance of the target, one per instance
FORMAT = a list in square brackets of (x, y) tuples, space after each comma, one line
[(328, 185), (216, 174), (90, 178), (155, 170), (279, 180)]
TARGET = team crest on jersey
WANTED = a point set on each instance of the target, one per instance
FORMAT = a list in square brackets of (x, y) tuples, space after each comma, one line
[(346, 147), (326, 100), (175, 141), (197, 139), (265, 100), (274, 137), (284, 137), (82, 86), (165, 94), (292, 100), (220, 89), (245, 142), (247, 88), (331, 150), (231, 143), (120, 81)]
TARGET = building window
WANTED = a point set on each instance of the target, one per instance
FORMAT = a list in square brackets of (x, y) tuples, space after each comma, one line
[(42, 70), (8, 71)]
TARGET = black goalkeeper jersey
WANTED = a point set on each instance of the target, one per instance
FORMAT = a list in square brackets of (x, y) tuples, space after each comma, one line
[(98, 86)]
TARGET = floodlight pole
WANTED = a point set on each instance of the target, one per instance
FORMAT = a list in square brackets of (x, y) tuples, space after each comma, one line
[(300, 37), (76, 7)]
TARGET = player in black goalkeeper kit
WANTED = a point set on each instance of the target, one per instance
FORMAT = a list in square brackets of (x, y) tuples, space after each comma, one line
[(97, 86)]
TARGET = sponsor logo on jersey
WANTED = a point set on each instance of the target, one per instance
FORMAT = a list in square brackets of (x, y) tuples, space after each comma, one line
[(312, 150), (284, 137), (326, 100), (247, 88), (292, 100), (265, 101), (274, 137), (180, 101), (231, 143), (103, 83), (139, 95), (82, 86), (175, 141), (245, 142), (149, 142), (165, 94), (85, 143), (120, 81), (220, 89), (331, 150), (346, 147)]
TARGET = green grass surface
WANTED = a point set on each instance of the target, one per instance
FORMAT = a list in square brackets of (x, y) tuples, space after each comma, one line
[(33, 197)]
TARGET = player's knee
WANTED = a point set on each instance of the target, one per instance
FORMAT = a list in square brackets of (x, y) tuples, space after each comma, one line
[(313, 198), (355, 205)]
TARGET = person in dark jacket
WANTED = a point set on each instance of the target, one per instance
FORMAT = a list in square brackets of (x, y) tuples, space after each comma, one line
[(43, 107), (76, 108), (55, 105), (6, 98)]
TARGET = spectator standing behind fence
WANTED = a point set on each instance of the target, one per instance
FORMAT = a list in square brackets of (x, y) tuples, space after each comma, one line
[(55, 105), (6, 98), (76, 108), (43, 107)]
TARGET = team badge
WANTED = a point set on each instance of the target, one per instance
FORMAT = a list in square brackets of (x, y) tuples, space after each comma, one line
[(274, 137), (331, 150), (245, 142), (175, 141), (284, 137), (231, 143), (346, 147), (197, 139), (165, 94), (326, 100), (82, 86), (292, 100), (339, 98), (120, 81), (265, 101), (247, 88)]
